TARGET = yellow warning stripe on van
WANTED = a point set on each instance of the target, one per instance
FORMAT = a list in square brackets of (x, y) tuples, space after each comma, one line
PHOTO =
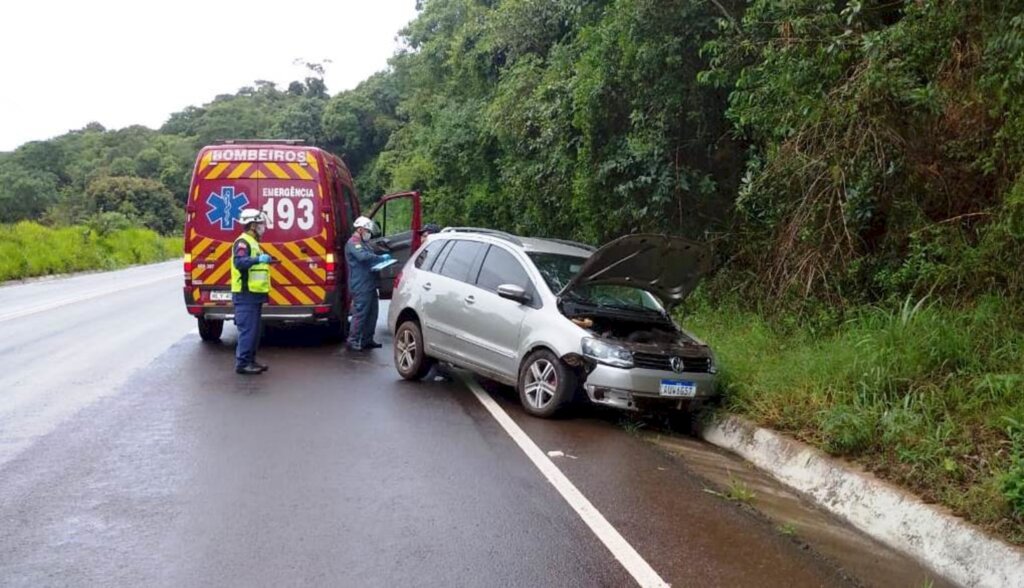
[(239, 170), (300, 171), (216, 171)]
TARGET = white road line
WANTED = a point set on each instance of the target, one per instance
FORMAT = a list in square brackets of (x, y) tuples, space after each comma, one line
[(637, 567), (87, 296)]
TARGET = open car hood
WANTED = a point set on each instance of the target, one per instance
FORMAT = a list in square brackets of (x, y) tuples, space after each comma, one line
[(668, 267)]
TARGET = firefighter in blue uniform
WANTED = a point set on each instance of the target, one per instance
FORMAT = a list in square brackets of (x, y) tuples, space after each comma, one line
[(362, 285), (250, 288)]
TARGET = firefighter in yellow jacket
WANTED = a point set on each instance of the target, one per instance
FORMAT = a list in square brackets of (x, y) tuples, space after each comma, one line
[(250, 288)]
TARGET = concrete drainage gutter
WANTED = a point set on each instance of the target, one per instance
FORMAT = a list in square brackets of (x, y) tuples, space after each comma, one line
[(946, 544)]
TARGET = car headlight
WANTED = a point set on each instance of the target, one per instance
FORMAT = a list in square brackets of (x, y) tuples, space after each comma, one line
[(607, 353)]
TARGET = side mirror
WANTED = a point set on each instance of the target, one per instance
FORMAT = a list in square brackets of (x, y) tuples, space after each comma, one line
[(513, 292)]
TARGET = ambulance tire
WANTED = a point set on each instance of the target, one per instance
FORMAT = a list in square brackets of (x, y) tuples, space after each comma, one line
[(210, 329), (337, 327)]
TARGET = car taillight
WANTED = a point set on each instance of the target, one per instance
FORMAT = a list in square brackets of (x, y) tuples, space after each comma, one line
[(330, 262), (398, 279)]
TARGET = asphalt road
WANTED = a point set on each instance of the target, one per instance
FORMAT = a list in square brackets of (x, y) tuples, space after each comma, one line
[(131, 454)]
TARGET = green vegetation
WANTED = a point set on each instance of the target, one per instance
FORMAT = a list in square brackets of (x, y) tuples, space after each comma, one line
[(857, 165), (926, 395), (29, 249)]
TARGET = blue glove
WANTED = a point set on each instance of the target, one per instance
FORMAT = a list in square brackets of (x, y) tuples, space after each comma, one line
[(385, 257), (264, 258)]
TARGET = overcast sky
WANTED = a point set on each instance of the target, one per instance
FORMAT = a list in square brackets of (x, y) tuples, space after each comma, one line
[(64, 63)]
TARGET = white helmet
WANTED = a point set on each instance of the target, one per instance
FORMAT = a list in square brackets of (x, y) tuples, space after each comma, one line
[(366, 223), (252, 215)]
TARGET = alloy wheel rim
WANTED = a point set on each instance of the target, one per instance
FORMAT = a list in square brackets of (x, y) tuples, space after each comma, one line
[(541, 384), (405, 350)]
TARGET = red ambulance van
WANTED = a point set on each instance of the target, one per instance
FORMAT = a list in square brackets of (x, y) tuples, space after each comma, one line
[(310, 201)]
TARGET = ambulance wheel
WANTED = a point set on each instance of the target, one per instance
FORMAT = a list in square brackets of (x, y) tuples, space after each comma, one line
[(337, 328), (210, 329), (411, 361)]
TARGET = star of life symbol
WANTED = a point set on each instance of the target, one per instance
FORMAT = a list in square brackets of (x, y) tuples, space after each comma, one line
[(226, 207)]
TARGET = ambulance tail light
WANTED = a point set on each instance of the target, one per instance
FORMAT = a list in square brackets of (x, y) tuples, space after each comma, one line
[(188, 266), (331, 268)]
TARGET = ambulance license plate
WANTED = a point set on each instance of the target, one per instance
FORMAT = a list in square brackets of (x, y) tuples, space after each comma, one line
[(678, 388), (220, 296)]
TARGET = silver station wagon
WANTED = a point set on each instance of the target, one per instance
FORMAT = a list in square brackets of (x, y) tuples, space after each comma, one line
[(554, 317)]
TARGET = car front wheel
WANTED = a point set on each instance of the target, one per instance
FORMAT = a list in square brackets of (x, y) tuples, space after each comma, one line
[(546, 384), (411, 359)]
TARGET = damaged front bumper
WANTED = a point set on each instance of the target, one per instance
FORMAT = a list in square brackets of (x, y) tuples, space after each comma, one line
[(628, 389)]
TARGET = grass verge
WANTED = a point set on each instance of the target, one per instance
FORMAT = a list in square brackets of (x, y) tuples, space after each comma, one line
[(927, 396), (28, 249)]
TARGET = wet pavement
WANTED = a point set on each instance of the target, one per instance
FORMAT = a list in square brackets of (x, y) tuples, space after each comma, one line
[(131, 454)]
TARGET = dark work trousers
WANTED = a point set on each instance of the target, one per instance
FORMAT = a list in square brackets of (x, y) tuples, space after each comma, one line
[(364, 319), (247, 319)]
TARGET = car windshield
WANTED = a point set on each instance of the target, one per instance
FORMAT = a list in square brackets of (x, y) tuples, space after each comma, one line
[(558, 270)]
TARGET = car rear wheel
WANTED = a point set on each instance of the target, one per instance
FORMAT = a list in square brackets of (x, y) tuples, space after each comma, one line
[(546, 384), (411, 359), (210, 329)]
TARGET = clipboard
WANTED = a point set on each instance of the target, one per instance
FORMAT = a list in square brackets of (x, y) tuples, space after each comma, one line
[(383, 264)]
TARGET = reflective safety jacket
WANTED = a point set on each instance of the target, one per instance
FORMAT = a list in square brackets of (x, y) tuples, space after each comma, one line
[(359, 258), (250, 280)]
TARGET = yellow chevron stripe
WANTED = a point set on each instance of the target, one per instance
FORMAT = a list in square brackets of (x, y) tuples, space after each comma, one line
[(287, 263), (259, 175), (299, 295), (295, 250), (200, 247), (216, 171), (239, 170), (195, 294), (222, 249), (278, 299), (316, 246), (207, 158), (219, 272), (301, 171), (277, 171), (195, 196), (319, 292), (311, 160)]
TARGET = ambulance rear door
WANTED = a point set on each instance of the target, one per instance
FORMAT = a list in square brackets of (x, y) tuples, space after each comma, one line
[(221, 190), (399, 217), (292, 195)]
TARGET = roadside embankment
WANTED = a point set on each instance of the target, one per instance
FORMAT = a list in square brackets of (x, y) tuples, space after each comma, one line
[(948, 545), (28, 249), (922, 395)]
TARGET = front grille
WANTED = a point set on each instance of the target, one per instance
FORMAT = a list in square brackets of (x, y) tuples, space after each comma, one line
[(658, 361)]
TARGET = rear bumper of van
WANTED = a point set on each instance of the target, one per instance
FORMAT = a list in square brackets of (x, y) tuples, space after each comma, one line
[(271, 312)]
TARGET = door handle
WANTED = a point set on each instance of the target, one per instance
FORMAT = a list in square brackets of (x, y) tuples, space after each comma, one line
[(470, 299), (426, 286)]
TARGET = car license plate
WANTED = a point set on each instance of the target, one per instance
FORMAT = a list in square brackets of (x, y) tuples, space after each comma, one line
[(220, 296), (678, 388)]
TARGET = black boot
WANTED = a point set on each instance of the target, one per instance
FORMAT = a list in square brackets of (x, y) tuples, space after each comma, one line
[(262, 367), (249, 370)]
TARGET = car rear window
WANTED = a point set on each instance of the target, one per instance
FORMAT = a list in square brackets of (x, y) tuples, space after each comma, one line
[(426, 257)]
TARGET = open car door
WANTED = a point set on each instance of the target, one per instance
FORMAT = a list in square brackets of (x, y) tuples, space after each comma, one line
[(399, 217)]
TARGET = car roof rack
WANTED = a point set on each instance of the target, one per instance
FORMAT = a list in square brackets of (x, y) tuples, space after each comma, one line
[(260, 141), (491, 232), (571, 243)]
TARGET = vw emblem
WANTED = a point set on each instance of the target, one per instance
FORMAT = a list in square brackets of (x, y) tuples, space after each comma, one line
[(677, 364)]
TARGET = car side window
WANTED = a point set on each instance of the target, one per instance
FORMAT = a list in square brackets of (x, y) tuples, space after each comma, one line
[(460, 259), (501, 267), (426, 258)]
